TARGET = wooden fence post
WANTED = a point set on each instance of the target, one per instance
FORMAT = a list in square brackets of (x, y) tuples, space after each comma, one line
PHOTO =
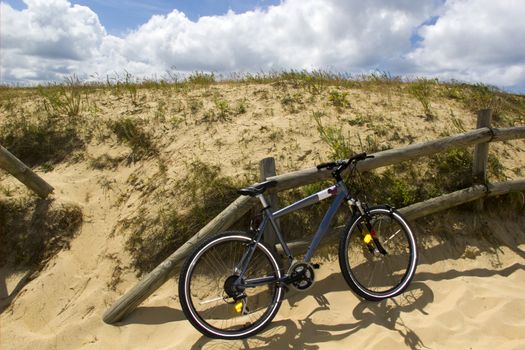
[(243, 204), (481, 154), (266, 170), (25, 175)]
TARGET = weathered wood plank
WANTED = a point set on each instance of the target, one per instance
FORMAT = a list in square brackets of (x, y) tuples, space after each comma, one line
[(443, 202), (481, 155), (506, 134), (388, 157), (417, 150), (24, 174), (500, 188), (266, 170), (456, 198), (481, 151), (151, 282)]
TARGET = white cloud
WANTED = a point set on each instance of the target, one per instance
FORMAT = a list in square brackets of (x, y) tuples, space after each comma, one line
[(48, 39), (342, 35), (476, 40)]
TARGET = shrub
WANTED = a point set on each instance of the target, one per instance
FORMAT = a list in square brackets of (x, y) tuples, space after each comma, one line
[(339, 99), (421, 89), (334, 138), (63, 99), (132, 132), (203, 194), (40, 138), (201, 78)]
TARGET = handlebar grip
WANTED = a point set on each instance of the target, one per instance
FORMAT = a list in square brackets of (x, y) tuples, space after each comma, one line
[(325, 165), (357, 157)]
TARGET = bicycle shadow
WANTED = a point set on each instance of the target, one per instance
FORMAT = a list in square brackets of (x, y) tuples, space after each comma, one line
[(306, 333), (478, 272)]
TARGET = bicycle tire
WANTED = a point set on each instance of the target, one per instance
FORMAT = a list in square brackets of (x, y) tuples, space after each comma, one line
[(204, 276), (360, 263)]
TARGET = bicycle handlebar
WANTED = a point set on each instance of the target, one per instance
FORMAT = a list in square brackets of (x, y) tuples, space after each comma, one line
[(326, 165), (358, 157), (343, 164)]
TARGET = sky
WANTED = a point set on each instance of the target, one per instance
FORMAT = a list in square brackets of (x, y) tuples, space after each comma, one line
[(477, 41)]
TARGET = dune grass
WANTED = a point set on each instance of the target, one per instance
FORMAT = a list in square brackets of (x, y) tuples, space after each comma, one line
[(68, 115), (204, 193)]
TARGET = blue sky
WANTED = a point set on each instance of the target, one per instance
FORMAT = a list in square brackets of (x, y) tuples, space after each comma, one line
[(476, 41)]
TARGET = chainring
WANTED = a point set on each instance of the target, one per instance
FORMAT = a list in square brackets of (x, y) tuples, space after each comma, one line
[(302, 275)]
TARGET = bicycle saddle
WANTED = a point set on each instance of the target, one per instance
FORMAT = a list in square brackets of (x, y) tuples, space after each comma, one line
[(257, 189)]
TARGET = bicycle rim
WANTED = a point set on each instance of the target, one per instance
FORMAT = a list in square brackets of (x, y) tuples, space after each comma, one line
[(210, 308), (373, 274)]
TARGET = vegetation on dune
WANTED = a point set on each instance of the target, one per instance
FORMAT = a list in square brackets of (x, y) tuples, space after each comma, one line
[(47, 125), (407, 182), (203, 193), (132, 132), (33, 135), (33, 230)]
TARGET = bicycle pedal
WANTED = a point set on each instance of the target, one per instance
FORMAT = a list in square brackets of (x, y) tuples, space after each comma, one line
[(316, 266)]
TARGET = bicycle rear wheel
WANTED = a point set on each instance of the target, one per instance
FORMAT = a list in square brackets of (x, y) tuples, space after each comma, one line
[(377, 254), (212, 303)]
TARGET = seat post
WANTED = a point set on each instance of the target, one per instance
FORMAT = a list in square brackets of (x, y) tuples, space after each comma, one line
[(263, 200)]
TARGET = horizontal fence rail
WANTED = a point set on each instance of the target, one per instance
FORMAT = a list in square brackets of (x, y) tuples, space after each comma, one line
[(454, 199), (437, 204), (393, 156), (242, 205)]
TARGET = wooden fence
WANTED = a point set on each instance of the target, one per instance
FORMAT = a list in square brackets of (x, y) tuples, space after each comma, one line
[(25, 175), (480, 189)]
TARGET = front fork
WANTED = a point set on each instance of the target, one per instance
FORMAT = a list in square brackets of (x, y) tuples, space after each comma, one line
[(369, 234)]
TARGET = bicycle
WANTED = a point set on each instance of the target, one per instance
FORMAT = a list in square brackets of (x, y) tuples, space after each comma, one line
[(232, 285)]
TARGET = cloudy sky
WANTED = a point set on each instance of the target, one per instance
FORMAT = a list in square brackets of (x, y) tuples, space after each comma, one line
[(468, 40)]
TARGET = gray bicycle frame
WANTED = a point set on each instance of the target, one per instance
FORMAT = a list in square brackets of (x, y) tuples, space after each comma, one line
[(339, 191)]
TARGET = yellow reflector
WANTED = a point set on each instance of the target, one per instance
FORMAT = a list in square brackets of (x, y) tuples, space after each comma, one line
[(367, 238), (238, 307)]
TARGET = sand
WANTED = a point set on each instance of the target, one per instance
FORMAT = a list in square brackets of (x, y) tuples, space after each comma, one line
[(457, 303), (467, 298)]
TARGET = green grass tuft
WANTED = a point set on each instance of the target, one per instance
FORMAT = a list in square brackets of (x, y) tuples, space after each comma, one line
[(422, 90), (34, 138), (201, 78), (133, 133)]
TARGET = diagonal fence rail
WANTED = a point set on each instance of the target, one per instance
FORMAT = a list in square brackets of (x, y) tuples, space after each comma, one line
[(135, 296), (23, 173)]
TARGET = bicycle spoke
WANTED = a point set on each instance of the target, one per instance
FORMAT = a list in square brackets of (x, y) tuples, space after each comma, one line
[(209, 278), (375, 275), (210, 300)]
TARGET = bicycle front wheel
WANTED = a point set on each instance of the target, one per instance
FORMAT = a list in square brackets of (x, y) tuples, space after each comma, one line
[(211, 300), (377, 254)]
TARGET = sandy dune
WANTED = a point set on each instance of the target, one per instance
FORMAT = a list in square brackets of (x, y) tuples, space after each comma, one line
[(463, 296), (461, 303)]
